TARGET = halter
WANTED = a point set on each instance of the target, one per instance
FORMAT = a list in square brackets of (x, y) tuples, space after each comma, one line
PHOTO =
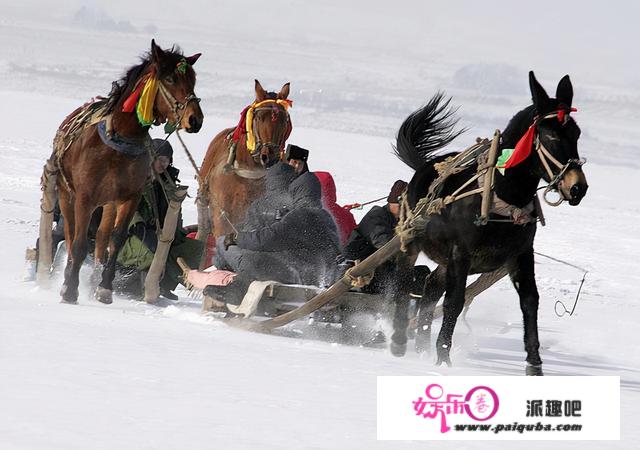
[(545, 157), (142, 99), (531, 140), (176, 107), (248, 126)]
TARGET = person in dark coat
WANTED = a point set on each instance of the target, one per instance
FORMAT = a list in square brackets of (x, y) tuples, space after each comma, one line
[(270, 207), (137, 253), (299, 248), (375, 229)]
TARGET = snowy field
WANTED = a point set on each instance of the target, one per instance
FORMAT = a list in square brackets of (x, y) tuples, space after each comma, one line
[(134, 376)]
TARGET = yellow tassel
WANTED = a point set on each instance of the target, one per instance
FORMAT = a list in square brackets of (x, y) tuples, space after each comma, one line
[(251, 139), (144, 109)]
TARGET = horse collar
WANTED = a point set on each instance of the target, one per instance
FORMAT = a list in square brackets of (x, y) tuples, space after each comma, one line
[(121, 144)]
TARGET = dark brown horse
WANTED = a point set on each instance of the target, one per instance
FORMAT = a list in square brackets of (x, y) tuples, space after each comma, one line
[(105, 156), (234, 167)]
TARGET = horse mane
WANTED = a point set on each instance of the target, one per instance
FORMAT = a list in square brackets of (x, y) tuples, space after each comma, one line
[(425, 131), (517, 126), (125, 85)]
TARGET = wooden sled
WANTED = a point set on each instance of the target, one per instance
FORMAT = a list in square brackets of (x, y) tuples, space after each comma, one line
[(282, 304)]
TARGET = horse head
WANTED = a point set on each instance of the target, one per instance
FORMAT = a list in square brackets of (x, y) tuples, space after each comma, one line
[(269, 124), (176, 101), (556, 140)]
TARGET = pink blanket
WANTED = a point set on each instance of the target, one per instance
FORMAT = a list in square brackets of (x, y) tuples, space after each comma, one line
[(200, 280)]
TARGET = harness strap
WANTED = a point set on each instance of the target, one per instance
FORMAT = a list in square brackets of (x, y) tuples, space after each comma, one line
[(414, 220)]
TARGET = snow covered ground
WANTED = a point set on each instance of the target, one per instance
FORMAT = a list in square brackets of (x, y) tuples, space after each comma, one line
[(134, 376)]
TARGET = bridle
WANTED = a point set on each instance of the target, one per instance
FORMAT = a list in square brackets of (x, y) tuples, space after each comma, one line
[(178, 108), (254, 141), (546, 158), (144, 96)]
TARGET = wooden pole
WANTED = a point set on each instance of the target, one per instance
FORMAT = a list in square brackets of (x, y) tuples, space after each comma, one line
[(47, 205), (488, 180), (204, 224), (152, 281)]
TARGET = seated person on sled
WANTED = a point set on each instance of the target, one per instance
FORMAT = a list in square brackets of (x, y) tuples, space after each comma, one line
[(294, 240), (375, 229), (137, 253), (265, 210), (297, 158), (273, 203)]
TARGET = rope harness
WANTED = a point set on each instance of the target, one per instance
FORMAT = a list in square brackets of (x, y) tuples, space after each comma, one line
[(483, 153), (414, 221), (73, 125)]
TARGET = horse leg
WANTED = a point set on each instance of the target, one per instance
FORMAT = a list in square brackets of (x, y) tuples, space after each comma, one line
[(403, 279), (125, 212), (104, 232), (455, 284), (79, 248), (433, 289), (66, 210), (523, 279)]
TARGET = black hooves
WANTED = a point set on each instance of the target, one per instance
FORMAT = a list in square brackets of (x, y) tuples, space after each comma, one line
[(443, 358), (67, 297), (104, 295), (398, 350), (534, 370), (68, 302)]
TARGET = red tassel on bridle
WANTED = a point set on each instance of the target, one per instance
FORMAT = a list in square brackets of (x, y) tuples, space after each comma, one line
[(525, 144), (562, 113), (523, 148), (241, 125), (130, 103)]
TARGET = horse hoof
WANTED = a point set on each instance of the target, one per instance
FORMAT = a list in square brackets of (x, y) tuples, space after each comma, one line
[(67, 297), (534, 370), (68, 302), (443, 359), (398, 350), (447, 361), (104, 295)]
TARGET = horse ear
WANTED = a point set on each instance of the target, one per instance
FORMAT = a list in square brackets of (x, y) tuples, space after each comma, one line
[(156, 52), (564, 92), (284, 92), (192, 59), (538, 94), (261, 94)]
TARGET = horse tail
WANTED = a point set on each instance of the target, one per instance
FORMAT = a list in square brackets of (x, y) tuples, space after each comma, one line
[(426, 130)]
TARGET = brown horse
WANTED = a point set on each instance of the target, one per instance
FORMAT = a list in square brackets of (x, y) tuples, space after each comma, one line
[(103, 151), (234, 167)]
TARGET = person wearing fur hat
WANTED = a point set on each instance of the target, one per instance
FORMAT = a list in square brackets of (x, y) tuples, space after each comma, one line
[(300, 247), (297, 158), (137, 253)]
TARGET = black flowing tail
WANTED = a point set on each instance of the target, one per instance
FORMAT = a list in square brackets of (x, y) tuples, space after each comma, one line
[(425, 131)]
